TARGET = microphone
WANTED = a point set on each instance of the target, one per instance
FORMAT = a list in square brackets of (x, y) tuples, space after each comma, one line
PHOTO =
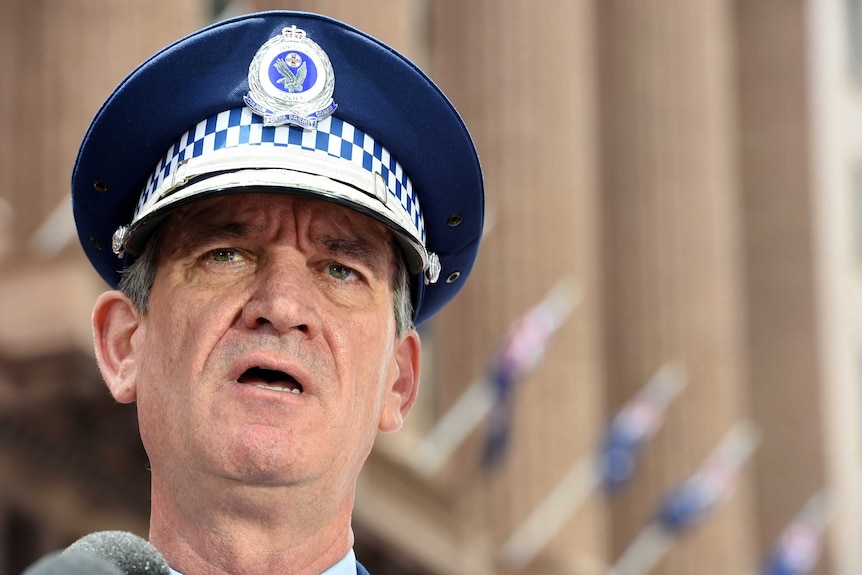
[(104, 553), (72, 563)]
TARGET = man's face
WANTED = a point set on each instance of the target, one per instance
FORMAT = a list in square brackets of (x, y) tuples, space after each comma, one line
[(268, 354)]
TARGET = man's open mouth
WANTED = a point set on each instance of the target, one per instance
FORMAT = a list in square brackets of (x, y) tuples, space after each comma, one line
[(270, 379)]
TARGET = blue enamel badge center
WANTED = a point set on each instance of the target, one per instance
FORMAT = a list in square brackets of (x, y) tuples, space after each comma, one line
[(290, 81)]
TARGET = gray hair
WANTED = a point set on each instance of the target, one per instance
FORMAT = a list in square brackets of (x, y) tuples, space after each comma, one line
[(137, 281)]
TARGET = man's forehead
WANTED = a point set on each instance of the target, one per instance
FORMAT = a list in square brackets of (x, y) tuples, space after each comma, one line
[(261, 213)]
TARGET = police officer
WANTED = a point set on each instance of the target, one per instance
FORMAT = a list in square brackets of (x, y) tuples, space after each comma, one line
[(277, 201)]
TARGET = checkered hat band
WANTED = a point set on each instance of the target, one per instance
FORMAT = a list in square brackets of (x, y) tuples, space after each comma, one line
[(333, 137)]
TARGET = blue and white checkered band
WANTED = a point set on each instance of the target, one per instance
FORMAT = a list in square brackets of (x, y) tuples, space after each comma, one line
[(234, 149)]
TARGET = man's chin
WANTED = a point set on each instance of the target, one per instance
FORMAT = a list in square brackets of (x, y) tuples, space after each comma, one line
[(268, 457)]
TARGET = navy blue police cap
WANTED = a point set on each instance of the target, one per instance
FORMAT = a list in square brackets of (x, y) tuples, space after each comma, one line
[(285, 102)]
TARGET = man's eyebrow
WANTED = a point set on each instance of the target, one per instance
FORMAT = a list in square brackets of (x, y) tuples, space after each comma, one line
[(369, 254), (193, 237)]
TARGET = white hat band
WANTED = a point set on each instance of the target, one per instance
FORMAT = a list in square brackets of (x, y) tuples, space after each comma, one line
[(233, 149)]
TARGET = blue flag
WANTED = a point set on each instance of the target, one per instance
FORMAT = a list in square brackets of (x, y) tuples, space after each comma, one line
[(520, 352), (691, 502), (635, 424), (800, 544)]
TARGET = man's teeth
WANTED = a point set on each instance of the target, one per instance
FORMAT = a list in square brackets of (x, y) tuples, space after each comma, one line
[(278, 388), (270, 379)]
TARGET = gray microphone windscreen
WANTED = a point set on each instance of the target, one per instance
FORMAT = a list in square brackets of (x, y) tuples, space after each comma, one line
[(130, 553), (72, 563)]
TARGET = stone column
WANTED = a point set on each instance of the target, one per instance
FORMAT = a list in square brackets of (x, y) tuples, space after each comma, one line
[(671, 254), (522, 74), (60, 60), (391, 21), (785, 346)]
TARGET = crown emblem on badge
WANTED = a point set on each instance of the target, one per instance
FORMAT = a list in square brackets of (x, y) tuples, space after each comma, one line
[(291, 81)]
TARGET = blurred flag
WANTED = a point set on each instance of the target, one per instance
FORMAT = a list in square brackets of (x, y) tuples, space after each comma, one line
[(800, 544), (635, 424), (523, 347), (498, 430), (491, 396), (690, 503), (628, 431), (712, 484)]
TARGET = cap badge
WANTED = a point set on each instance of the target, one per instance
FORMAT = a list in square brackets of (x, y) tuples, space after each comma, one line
[(290, 81)]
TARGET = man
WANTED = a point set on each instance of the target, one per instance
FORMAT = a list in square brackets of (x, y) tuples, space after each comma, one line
[(279, 199)]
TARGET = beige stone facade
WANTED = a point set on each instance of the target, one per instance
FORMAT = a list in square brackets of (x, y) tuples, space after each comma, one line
[(669, 155)]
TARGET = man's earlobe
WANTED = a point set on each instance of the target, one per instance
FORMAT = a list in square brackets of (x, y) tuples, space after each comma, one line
[(402, 392), (115, 320)]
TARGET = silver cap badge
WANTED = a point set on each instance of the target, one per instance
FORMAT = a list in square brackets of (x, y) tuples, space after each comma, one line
[(290, 81)]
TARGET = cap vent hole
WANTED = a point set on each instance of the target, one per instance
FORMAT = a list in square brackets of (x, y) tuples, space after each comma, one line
[(96, 243), (455, 219), (100, 186), (453, 277)]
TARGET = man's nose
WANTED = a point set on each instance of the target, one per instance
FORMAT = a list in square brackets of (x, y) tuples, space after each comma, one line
[(283, 297)]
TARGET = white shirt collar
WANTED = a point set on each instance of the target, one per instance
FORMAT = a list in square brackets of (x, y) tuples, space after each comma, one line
[(347, 566)]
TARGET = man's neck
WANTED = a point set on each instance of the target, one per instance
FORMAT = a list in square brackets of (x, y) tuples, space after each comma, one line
[(248, 536)]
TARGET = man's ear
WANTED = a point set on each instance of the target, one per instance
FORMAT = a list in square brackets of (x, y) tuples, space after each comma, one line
[(115, 320), (404, 384)]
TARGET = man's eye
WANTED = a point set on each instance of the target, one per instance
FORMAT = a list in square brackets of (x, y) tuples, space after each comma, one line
[(225, 255), (341, 272)]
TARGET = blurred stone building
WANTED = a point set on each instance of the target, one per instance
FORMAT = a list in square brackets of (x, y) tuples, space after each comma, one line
[(695, 164)]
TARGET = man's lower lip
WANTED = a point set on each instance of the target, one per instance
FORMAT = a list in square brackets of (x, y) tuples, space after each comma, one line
[(277, 388)]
